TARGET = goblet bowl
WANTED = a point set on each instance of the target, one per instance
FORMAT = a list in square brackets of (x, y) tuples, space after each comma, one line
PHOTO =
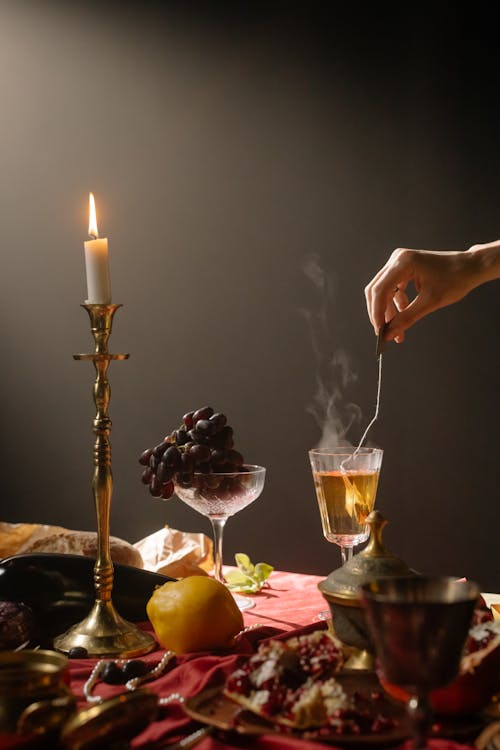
[(221, 495), (419, 626)]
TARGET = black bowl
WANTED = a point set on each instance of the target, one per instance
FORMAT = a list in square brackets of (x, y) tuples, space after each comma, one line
[(60, 589)]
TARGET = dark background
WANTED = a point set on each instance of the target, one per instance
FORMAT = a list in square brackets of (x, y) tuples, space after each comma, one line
[(229, 147)]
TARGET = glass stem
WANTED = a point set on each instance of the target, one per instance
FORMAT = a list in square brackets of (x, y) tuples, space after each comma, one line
[(218, 529), (420, 714), (346, 553)]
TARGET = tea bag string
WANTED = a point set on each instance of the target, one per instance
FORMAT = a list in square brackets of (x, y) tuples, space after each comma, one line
[(371, 423), (377, 406)]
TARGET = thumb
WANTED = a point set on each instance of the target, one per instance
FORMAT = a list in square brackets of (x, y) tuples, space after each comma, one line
[(407, 317)]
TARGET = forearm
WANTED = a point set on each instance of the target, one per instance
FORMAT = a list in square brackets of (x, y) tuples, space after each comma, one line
[(439, 278), (485, 262)]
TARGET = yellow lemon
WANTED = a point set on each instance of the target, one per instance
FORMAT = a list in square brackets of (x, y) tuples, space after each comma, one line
[(194, 614)]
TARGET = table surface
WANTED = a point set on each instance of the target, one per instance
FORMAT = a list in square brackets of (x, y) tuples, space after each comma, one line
[(291, 601)]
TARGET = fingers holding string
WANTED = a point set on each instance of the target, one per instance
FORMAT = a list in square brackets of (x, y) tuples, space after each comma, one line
[(370, 297), (390, 311), (400, 299), (409, 314), (386, 293), (398, 303), (387, 297), (391, 283)]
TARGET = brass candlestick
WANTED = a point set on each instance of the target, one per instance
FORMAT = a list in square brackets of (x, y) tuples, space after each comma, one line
[(103, 632)]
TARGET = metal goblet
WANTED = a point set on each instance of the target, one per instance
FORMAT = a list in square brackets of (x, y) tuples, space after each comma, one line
[(419, 626)]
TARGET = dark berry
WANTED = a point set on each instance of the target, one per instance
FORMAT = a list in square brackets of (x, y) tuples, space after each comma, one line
[(164, 473), (134, 668), (200, 453), (218, 457), (219, 420), (145, 456), (223, 439), (187, 463), (167, 490), (205, 428), (185, 479), (204, 413), (235, 458), (181, 436), (159, 450), (78, 652), (112, 674), (155, 487), (147, 475), (172, 457)]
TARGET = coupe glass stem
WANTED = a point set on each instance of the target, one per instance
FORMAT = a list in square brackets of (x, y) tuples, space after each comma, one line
[(346, 553), (420, 714), (218, 530)]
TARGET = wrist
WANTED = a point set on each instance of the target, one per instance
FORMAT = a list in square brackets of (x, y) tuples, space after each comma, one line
[(484, 262)]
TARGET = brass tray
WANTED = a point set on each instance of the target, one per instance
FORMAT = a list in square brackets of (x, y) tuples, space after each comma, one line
[(212, 707)]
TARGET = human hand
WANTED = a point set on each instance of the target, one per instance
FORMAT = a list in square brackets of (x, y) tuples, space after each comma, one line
[(439, 279)]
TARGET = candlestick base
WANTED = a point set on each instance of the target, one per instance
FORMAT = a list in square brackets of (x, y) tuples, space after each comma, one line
[(103, 633)]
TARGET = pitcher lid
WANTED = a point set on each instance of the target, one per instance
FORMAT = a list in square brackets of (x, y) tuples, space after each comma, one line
[(374, 561)]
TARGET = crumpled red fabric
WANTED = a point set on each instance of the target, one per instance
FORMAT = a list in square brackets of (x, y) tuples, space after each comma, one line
[(188, 675), (192, 673), (289, 605)]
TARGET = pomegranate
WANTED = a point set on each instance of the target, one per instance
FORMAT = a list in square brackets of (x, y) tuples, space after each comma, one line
[(479, 675)]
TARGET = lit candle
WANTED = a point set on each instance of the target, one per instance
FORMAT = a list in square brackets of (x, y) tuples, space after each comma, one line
[(96, 262)]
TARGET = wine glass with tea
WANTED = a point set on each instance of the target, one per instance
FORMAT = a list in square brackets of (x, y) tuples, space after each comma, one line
[(346, 481), (418, 627), (218, 496)]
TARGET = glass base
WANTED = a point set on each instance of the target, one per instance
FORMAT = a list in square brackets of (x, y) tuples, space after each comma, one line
[(347, 540), (324, 614), (243, 602)]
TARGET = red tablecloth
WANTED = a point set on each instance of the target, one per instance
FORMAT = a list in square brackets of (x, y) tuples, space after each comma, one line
[(290, 602)]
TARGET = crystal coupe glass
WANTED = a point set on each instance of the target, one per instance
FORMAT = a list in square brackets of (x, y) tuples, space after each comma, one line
[(219, 496), (346, 482), (419, 626)]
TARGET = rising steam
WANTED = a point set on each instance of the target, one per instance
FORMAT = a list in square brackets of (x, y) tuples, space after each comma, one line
[(330, 408)]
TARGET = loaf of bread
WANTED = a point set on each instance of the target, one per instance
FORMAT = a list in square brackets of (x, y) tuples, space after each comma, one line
[(85, 543), (20, 538), (13, 536)]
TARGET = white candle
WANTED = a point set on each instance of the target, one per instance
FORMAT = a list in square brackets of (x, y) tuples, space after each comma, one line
[(96, 262)]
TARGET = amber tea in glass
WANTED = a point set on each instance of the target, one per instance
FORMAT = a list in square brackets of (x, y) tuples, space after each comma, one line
[(346, 482)]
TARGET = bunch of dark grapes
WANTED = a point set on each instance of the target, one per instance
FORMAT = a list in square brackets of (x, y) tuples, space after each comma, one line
[(203, 443)]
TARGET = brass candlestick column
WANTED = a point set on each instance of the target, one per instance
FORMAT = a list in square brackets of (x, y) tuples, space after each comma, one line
[(103, 632)]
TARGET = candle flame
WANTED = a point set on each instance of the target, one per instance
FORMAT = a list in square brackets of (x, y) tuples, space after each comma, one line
[(92, 218)]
